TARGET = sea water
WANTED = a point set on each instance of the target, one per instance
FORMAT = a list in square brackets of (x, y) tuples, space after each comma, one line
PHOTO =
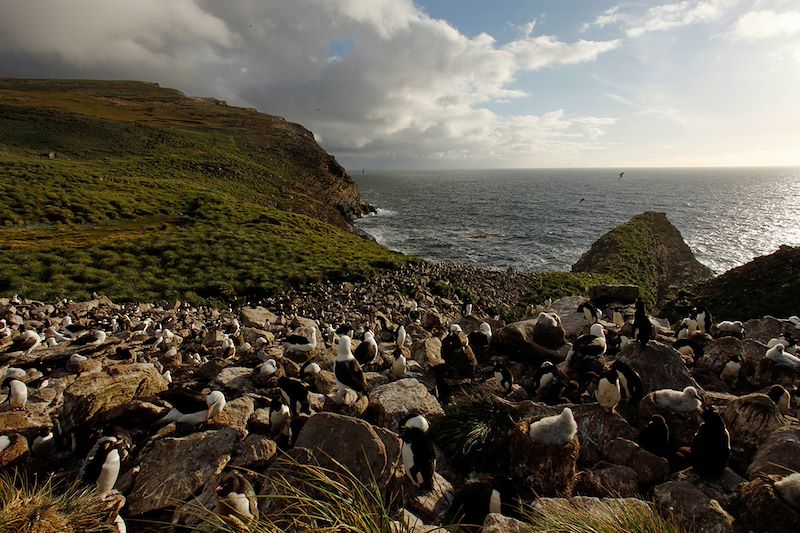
[(544, 219)]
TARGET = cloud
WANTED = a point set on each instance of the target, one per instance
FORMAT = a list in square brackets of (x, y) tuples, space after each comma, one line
[(766, 24), (375, 79), (667, 16), (609, 16)]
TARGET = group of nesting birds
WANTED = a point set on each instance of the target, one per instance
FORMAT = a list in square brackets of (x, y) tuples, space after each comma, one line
[(289, 384)]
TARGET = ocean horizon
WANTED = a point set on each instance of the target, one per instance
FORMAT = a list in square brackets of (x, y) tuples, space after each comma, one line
[(544, 219)]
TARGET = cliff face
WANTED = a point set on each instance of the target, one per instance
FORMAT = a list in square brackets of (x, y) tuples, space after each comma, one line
[(767, 285), (89, 120), (647, 251)]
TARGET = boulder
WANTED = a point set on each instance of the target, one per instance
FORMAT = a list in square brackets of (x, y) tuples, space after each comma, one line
[(604, 294), (235, 415), (99, 397), (648, 467), (235, 379), (389, 403), (607, 480), (519, 339), (763, 329), (364, 453), (762, 508), (428, 505), (571, 320), (692, 507), (546, 470), (779, 453), (255, 452), (176, 468), (428, 352), (750, 420), (724, 489), (660, 366), (718, 352), (257, 317)]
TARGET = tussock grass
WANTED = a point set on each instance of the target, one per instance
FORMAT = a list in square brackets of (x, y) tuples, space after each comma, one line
[(607, 516), (305, 497), (474, 431), (28, 507)]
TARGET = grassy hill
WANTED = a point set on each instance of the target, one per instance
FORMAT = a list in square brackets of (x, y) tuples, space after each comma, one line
[(154, 195)]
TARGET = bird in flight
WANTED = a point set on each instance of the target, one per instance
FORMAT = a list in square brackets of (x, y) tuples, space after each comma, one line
[(620, 175), (582, 199)]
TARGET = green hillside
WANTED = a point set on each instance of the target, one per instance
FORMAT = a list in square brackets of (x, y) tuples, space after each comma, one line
[(154, 195)]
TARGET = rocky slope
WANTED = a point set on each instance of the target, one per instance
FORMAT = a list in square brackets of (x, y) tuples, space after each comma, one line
[(768, 284), (154, 355), (647, 251)]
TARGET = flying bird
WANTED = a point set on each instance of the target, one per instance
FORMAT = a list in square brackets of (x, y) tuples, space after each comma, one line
[(582, 200), (620, 175)]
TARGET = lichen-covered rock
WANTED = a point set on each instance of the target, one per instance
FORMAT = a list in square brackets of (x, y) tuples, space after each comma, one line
[(235, 379), (750, 420), (390, 402), (175, 468), (255, 452), (99, 397), (236, 415), (28, 422), (258, 317), (779, 453), (692, 507)]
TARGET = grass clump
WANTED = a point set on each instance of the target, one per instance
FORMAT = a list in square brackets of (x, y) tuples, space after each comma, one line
[(474, 431), (28, 507), (308, 497), (603, 516)]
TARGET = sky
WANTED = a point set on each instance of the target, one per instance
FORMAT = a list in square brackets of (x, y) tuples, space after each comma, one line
[(426, 84)]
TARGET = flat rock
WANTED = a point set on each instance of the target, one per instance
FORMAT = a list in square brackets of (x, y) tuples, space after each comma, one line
[(257, 317), (763, 329), (99, 397), (389, 403), (27, 422), (176, 468), (235, 379)]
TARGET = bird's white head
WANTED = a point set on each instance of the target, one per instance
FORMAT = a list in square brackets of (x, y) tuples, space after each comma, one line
[(344, 346), (597, 330), (216, 403)]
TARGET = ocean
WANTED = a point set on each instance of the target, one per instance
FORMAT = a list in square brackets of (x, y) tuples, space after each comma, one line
[(534, 220)]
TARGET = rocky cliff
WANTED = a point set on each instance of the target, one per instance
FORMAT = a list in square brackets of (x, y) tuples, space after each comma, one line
[(647, 251)]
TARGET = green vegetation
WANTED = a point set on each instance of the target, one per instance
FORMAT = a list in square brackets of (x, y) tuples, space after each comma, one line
[(152, 195), (647, 251), (26, 506)]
